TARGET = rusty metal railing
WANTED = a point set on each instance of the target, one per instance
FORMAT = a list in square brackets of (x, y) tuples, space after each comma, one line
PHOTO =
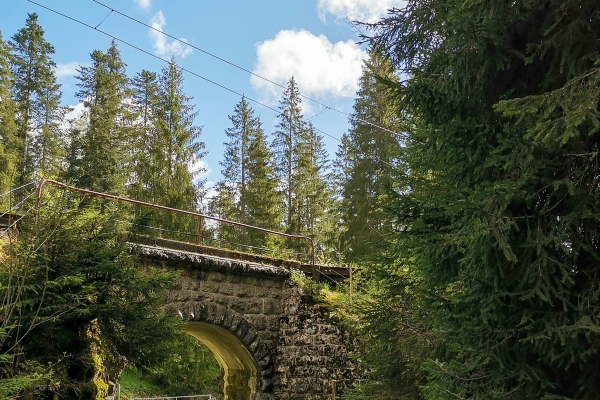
[(199, 216)]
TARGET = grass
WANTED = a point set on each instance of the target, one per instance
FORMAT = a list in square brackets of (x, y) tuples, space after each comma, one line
[(133, 385)]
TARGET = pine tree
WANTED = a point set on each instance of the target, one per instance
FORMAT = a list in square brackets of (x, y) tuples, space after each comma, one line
[(103, 88), (9, 143), (500, 211), (38, 96), (371, 156)]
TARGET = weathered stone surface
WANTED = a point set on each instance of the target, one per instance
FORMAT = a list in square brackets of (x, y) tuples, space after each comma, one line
[(297, 348)]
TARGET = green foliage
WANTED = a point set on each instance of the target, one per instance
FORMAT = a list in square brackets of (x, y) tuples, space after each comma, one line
[(499, 213), (103, 88), (9, 142), (84, 300), (189, 369), (301, 166), (247, 193), (133, 384), (367, 158), (37, 96)]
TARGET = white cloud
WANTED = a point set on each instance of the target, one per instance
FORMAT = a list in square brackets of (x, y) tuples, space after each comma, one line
[(357, 10), (75, 111), (145, 4), (66, 70), (199, 167), (161, 45), (319, 67)]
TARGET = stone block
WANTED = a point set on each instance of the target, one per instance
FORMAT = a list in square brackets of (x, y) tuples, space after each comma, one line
[(209, 287), (227, 289), (229, 316), (261, 292), (266, 384), (217, 276), (242, 329), (254, 306), (258, 321), (249, 280), (271, 306), (242, 290), (235, 322), (249, 337)]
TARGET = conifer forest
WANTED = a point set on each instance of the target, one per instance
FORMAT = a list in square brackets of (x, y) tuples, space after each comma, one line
[(465, 195)]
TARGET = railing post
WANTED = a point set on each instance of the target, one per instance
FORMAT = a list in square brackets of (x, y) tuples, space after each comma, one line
[(199, 231)]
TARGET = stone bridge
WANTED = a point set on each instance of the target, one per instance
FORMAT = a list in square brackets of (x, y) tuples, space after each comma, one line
[(270, 343)]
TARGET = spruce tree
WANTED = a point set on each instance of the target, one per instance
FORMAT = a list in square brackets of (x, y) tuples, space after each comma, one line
[(302, 169), (371, 154), (500, 211), (247, 192), (145, 92), (37, 95), (312, 202), (9, 143), (173, 148), (103, 88), (290, 127), (260, 197)]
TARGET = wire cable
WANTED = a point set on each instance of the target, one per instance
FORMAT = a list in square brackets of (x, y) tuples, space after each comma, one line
[(353, 117), (17, 188), (152, 55), (198, 75)]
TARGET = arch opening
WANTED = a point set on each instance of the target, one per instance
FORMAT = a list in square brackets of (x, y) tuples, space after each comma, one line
[(239, 369)]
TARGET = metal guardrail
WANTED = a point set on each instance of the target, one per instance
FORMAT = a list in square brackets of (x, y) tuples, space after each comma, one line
[(175, 210)]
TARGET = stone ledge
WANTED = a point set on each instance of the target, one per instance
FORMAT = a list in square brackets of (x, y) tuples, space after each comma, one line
[(203, 260)]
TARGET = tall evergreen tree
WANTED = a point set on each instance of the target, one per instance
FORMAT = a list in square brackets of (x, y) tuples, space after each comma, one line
[(37, 95), (247, 192), (9, 143), (260, 197), (301, 166), (145, 93), (500, 212), (173, 149), (370, 157), (235, 159), (103, 88), (285, 143), (312, 202)]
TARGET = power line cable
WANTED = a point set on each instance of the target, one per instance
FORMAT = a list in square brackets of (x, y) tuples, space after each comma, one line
[(194, 73), (244, 69), (151, 55), (17, 188)]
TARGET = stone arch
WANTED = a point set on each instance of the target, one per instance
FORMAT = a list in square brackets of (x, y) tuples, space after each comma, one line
[(220, 329)]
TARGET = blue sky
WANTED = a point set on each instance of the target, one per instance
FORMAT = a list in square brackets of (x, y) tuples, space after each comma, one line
[(309, 39)]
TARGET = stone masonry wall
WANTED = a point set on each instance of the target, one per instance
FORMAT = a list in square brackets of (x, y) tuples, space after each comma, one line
[(299, 349), (312, 352)]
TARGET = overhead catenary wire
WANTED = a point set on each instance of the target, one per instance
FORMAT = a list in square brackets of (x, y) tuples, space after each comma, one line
[(17, 188), (202, 77), (244, 69)]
